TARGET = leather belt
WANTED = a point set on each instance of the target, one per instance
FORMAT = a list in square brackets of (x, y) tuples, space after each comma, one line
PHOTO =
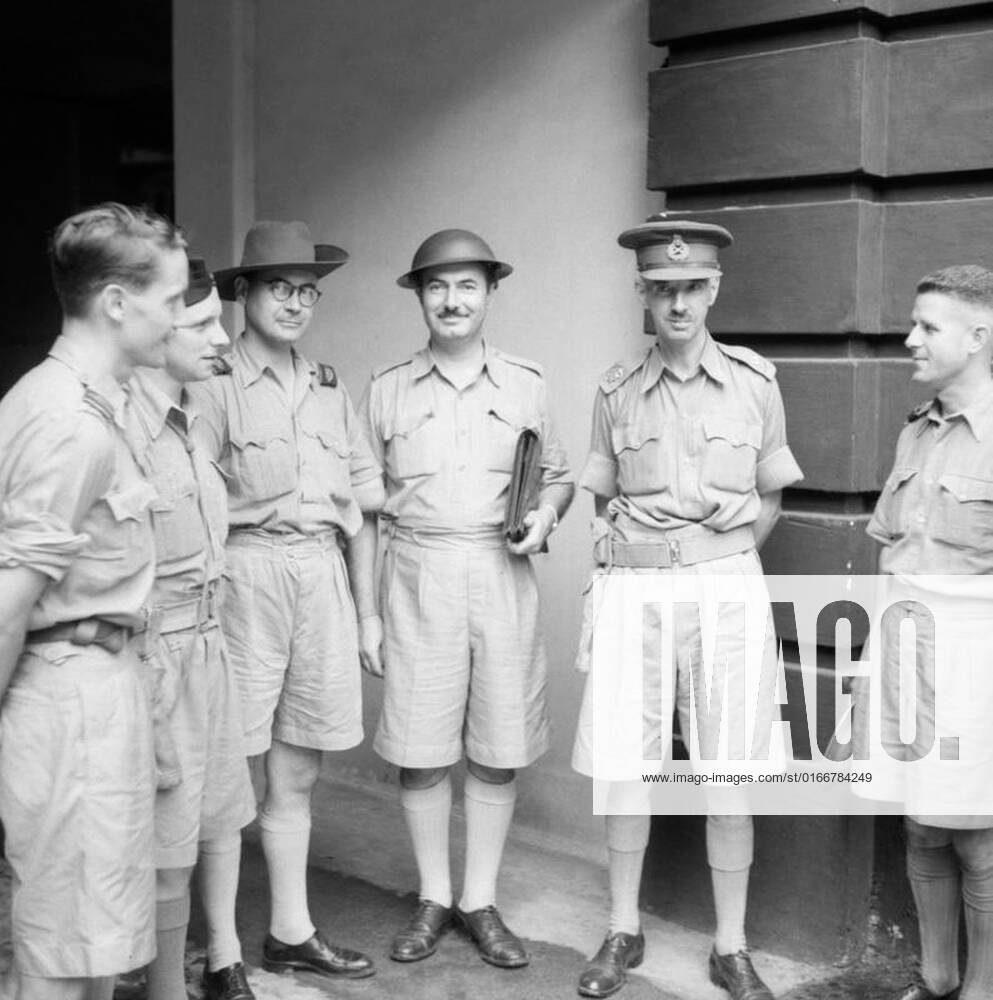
[(192, 613), (676, 548), (84, 632)]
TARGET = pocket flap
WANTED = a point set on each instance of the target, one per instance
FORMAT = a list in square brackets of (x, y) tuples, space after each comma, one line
[(967, 488), (631, 437), (736, 432), (130, 502)]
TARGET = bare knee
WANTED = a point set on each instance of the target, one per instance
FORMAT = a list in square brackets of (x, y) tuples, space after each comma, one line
[(171, 883), (490, 775), (419, 779), (291, 773)]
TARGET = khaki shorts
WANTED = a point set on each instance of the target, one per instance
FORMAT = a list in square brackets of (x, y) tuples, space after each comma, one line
[(292, 637), (215, 796), (76, 795), (639, 652), (464, 661)]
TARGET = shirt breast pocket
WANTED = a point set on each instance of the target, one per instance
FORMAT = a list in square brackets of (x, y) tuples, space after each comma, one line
[(892, 509), (263, 466), (128, 519), (503, 427), (731, 453), (330, 458), (965, 511), (638, 449), (413, 448), (177, 523)]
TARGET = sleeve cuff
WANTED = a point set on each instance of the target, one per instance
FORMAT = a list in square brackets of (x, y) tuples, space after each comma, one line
[(599, 475), (777, 471), (41, 545)]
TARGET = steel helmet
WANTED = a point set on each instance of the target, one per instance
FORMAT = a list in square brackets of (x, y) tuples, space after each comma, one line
[(452, 246)]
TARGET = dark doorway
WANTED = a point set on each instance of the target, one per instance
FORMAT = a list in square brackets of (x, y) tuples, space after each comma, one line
[(88, 92)]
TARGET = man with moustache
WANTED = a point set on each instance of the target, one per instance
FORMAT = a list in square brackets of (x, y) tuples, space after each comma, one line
[(300, 478), (463, 659), (76, 566), (934, 520), (204, 793), (687, 462)]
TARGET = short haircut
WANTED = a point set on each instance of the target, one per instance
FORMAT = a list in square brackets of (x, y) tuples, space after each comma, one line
[(108, 244), (966, 282)]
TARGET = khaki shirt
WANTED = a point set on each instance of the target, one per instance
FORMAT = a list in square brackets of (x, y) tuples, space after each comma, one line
[(672, 452), (935, 513), (297, 462), (73, 505), (448, 453), (189, 511)]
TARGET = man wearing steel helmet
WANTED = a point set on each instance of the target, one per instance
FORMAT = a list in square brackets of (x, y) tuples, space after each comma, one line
[(463, 661), (204, 793), (300, 477), (687, 461)]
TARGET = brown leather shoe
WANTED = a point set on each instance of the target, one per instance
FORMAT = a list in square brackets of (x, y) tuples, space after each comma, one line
[(918, 991), (607, 969), (496, 942), (315, 955), (420, 937), (735, 974), (229, 983)]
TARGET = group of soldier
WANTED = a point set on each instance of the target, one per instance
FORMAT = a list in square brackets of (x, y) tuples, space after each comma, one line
[(188, 579)]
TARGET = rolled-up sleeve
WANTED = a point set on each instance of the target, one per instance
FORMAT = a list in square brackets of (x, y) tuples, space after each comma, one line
[(599, 474), (777, 468), (555, 469), (58, 466)]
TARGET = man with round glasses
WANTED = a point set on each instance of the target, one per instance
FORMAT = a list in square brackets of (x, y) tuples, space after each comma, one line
[(300, 478)]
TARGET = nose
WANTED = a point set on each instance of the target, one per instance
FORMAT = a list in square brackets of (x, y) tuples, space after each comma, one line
[(913, 339), (219, 337), (451, 297), (678, 302)]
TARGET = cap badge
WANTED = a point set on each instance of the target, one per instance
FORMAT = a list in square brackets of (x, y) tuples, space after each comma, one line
[(677, 249)]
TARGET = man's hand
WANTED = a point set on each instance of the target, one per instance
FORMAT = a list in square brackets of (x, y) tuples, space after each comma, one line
[(371, 644), (539, 523)]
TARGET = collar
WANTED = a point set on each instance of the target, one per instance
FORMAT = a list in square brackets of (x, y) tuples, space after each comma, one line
[(712, 362), (154, 404), (69, 353), (250, 369), (424, 362), (978, 416)]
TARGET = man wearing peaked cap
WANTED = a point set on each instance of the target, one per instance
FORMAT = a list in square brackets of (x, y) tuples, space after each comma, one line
[(300, 479), (204, 793), (687, 462), (463, 660), (77, 562)]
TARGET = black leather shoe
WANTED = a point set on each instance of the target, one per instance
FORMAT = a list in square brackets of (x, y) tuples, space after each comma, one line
[(918, 991), (607, 970), (735, 974), (315, 955), (420, 937), (496, 942), (229, 983)]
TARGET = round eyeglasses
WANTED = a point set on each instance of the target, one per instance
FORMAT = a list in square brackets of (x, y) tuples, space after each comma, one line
[(282, 291)]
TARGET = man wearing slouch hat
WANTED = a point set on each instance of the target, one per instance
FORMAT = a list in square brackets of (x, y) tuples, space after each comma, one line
[(300, 478)]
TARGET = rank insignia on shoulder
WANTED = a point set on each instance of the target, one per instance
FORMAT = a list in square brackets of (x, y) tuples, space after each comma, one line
[(920, 410), (98, 403), (326, 375), (613, 374)]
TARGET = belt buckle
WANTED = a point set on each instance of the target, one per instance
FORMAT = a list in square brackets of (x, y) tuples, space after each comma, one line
[(673, 545)]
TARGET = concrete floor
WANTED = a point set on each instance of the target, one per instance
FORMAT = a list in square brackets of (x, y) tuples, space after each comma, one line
[(548, 891)]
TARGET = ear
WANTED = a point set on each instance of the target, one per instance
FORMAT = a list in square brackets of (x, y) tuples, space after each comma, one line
[(715, 286), (981, 338), (112, 302), (640, 290), (240, 289)]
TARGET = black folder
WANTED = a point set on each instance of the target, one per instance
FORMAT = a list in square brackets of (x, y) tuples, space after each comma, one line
[(525, 484)]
